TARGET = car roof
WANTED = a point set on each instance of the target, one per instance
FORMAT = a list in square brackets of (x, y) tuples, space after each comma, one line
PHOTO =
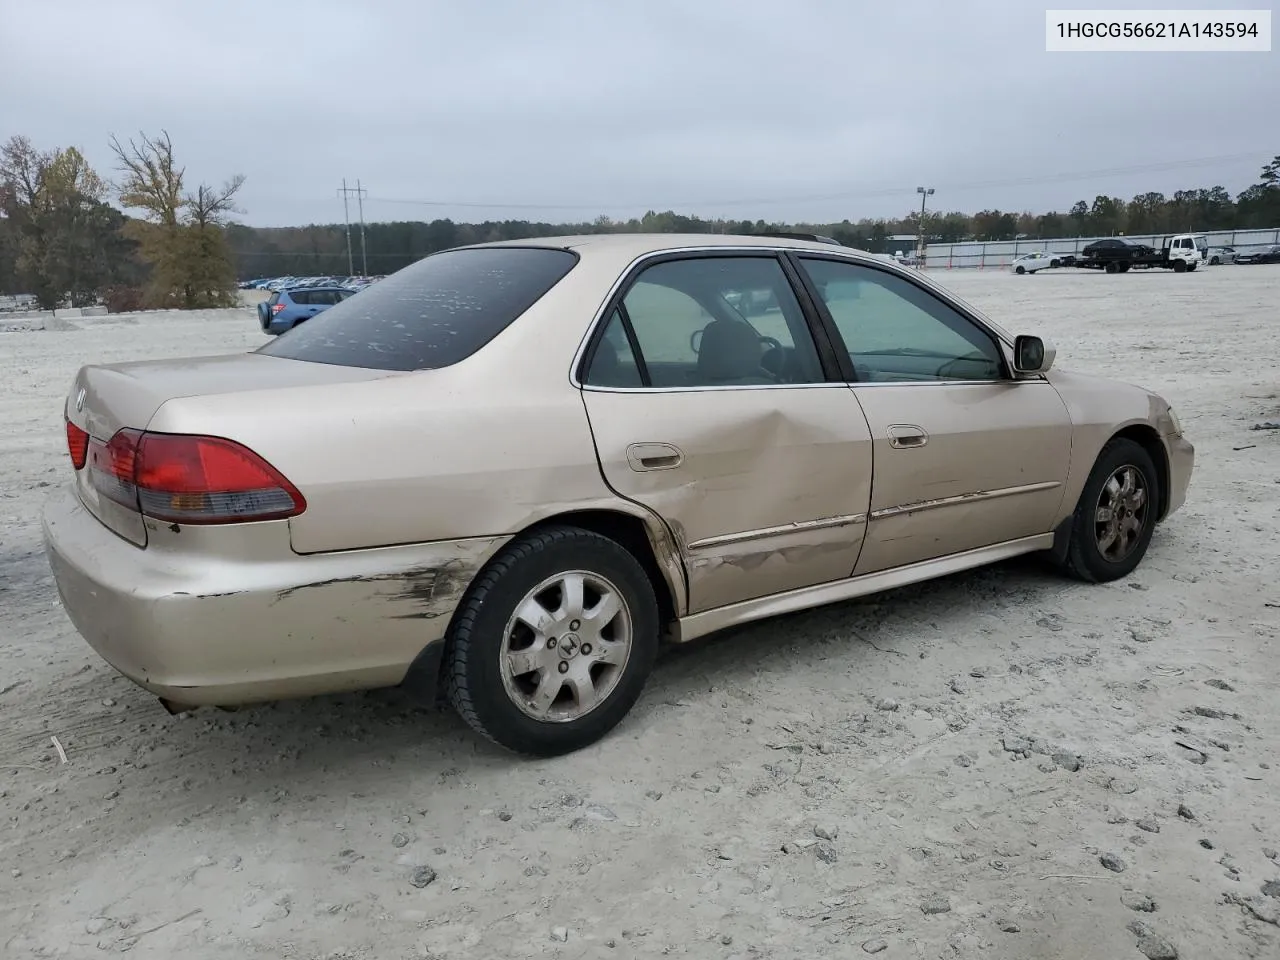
[(639, 244)]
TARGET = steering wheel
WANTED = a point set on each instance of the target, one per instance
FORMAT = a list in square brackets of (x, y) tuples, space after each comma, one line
[(770, 341)]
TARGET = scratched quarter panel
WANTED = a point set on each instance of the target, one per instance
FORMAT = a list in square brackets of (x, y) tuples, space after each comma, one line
[(192, 620)]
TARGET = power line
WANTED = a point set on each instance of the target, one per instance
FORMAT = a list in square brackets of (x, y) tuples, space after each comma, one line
[(864, 194)]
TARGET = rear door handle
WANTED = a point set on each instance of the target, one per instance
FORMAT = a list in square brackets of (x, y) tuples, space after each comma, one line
[(653, 456), (906, 436)]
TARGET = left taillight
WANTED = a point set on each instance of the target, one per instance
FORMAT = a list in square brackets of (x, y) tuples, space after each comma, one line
[(77, 445), (191, 479)]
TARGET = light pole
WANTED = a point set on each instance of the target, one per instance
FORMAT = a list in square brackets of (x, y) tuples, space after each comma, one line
[(924, 195)]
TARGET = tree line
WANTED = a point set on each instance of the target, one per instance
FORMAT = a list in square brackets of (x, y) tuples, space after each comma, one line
[(63, 241), (321, 249)]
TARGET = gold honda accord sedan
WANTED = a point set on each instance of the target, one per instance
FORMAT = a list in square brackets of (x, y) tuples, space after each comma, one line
[(509, 471)]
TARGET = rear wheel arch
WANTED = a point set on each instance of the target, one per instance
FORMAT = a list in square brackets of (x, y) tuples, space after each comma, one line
[(654, 549)]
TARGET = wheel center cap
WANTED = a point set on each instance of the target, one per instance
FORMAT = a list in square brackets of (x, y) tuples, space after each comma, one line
[(568, 646)]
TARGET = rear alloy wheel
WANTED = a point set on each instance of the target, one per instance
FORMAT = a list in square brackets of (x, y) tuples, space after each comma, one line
[(553, 643), (1116, 515)]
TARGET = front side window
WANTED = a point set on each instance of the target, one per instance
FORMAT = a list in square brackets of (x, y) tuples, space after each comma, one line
[(710, 322), (894, 330)]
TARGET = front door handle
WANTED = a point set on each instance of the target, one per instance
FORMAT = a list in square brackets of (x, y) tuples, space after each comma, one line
[(907, 436), (653, 456)]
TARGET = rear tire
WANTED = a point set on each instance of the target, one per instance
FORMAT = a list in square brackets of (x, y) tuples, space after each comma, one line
[(1053, 263), (560, 603), (1115, 516)]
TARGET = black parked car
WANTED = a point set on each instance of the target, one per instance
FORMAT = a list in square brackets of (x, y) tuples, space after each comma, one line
[(1268, 255), (1113, 249)]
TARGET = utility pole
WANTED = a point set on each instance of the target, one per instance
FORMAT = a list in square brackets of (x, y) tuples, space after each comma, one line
[(346, 216), (924, 195), (364, 256)]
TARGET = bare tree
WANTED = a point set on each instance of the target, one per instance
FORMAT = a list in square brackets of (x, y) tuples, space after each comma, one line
[(184, 242), (151, 181), (209, 206)]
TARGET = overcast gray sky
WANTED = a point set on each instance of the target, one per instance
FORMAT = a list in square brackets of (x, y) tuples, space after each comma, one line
[(565, 109)]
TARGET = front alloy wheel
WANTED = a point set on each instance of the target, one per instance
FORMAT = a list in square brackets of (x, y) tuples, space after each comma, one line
[(1121, 514), (1115, 515)]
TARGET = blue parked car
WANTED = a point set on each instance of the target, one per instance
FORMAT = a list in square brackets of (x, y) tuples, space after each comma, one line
[(285, 309)]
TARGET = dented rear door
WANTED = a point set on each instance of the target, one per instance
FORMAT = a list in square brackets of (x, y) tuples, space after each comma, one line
[(765, 484), (766, 489)]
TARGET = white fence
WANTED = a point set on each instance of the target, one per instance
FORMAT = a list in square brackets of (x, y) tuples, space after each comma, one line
[(1000, 253)]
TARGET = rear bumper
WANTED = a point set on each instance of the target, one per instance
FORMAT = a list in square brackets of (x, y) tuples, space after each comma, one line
[(199, 627), (1182, 461)]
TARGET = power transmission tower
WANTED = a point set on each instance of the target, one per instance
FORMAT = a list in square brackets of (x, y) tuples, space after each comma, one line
[(364, 255), (346, 216)]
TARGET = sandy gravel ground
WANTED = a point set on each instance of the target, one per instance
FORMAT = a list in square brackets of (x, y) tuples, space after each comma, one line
[(1008, 765)]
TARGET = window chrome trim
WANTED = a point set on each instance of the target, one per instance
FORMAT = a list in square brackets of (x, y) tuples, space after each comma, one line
[(826, 385), (857, 257)]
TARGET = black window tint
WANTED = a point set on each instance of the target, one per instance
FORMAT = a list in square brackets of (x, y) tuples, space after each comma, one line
[(301, 297), (431, 314), (273, 299), (324, 298), (897, 331), (613, 362)]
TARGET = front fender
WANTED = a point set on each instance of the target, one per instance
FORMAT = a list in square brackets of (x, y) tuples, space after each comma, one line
[(1101, 408)]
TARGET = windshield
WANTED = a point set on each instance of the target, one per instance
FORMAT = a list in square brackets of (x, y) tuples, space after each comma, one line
[(432, 313)]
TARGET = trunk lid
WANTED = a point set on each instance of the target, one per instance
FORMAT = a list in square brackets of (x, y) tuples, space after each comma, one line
[(107, 398)]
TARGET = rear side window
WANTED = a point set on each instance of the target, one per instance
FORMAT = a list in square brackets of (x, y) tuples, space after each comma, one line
[(273, 299), (431, 314), (301, 297)]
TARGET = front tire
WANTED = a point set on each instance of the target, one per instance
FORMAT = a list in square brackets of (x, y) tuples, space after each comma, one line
[(1115, 516), (1020, 270), (553, 643)]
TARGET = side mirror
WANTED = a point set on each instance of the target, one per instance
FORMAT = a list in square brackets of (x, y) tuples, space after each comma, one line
[(1032, 355)]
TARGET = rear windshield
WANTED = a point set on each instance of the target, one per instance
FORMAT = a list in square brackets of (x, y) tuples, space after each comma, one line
[(431, 314)]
